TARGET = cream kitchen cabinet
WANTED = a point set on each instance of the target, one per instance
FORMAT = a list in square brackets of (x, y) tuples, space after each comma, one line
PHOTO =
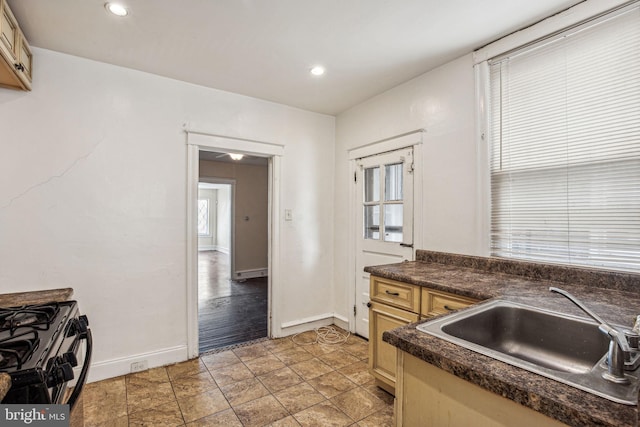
[(16, 59), (428, 396), (394, 304)]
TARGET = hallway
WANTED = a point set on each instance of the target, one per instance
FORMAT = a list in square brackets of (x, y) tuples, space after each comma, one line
[(229, 312)]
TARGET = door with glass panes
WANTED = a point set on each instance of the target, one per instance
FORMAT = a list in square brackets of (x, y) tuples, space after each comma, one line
[(384, 220)]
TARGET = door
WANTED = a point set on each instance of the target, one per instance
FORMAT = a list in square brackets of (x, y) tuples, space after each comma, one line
[(384, 220)]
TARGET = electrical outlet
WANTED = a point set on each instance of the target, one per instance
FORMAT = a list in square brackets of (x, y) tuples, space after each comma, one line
[(139, 366)]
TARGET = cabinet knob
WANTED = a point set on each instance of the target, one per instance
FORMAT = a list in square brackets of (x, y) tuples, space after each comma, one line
[(19, 67), (369, 304)]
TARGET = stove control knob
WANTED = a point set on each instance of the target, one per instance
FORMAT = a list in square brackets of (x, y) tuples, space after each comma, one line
[(60, 374), (70, 358)]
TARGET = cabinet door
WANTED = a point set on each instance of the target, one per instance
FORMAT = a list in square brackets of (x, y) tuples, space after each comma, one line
[(24, 61), (382, 356), (8, 33)]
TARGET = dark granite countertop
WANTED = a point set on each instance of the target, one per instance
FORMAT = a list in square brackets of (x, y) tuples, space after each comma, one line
[(465, 276), (27, 298)]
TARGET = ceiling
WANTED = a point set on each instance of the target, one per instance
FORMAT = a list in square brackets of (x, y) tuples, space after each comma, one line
[(265, 48)]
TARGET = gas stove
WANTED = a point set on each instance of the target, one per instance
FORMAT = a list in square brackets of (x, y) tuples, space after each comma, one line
[(46, 349)]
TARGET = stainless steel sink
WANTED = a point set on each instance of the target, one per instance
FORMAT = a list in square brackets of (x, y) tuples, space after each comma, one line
[(562, 347)]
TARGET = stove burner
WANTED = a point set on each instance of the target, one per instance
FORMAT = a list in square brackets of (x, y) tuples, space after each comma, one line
[(34, 316), (17, 349)]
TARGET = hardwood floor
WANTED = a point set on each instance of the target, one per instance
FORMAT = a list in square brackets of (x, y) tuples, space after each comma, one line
[(229, 312)]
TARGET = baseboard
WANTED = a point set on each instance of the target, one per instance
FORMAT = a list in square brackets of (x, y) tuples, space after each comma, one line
[(222, 249), (250, 274), (306, 324), (116, 367), (202, 248), (341, 321)]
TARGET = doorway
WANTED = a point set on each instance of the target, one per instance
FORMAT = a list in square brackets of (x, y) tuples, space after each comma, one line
[(232, 271), (384, 219)]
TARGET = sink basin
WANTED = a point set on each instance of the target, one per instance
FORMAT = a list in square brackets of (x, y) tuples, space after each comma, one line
[(562, 347)]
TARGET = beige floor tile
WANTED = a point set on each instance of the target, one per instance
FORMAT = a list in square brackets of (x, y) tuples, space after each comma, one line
[(194, 384), (323, 414), (357, 372), (332, 384), (381, 394), (202, 405), (226, 418), (280, 379), (264, 364), (219, 360), (320, 349), (358, 403), (143, 397), (115, 422), (251, 352), (165, 415), (294, 355), (311, 368), (299, 397), (244, 391), (338, 359), (104, 401), (383, 418), (359, 350), (279, 345), (225, 375), (261, 411), (285, 422), (185, 369), (150, 376), (304, 338)]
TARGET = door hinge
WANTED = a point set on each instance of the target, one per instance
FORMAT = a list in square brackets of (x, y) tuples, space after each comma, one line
[(355, 176), (354, 310), (411, 167)]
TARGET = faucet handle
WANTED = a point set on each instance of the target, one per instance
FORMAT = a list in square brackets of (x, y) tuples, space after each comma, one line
[(633, 339)]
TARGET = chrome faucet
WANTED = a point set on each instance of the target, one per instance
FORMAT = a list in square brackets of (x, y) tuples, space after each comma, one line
[(618, 347)]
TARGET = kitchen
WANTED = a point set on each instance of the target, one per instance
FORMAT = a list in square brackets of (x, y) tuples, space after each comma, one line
[(95, 190)]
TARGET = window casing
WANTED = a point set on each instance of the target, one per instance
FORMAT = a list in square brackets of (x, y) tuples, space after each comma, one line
[(564, 125)]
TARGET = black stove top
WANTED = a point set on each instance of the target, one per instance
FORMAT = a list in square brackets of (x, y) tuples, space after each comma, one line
[(29, 333)]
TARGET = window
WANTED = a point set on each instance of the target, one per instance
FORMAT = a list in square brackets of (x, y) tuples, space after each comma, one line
[(203, 217), (565, 146), (392, 205)]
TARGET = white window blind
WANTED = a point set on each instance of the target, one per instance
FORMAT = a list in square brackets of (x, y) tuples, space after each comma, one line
[(565, 147)]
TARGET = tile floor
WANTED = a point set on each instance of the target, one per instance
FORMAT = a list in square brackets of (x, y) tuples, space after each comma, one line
[(271, 383)]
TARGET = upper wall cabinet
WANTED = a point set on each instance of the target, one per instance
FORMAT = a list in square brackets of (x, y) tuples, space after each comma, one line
[(15, 54)]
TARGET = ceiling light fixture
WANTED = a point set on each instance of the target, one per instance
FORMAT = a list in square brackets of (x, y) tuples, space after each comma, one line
[(235, 156), (116, 9), (317, 70)]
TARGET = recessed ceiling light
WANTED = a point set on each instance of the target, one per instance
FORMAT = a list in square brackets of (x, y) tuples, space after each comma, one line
[(116, 9), (235, 156), (318, 70)]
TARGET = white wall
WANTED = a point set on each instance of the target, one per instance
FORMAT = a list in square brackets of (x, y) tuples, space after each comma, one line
[(441, 101), (93, 195)]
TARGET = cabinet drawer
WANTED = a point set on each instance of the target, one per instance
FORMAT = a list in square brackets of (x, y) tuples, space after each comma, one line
[(396, 294), (437, 302)]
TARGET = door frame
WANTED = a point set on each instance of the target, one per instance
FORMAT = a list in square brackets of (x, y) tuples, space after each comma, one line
[(202, 141), (405, 140)]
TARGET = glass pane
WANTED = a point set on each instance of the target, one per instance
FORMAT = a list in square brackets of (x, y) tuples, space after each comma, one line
[(372, 184), (372, 222), (393, 223), (203, 217), (393, 182)]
